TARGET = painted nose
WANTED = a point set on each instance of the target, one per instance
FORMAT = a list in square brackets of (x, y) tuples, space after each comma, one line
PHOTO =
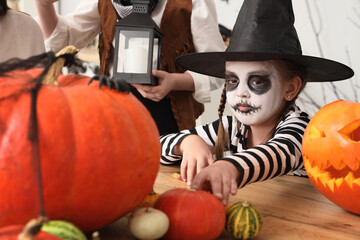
[(243, 90)]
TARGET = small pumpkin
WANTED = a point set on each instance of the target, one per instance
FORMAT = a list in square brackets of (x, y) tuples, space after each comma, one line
[(331, 153), (193, 215), (243, 220), (95, 150)]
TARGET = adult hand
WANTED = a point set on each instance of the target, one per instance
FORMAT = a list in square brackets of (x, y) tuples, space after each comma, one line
[(196, 155), (166, 83), (221, 178)]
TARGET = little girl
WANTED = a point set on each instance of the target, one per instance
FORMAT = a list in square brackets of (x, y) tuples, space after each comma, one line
[(264, 72)]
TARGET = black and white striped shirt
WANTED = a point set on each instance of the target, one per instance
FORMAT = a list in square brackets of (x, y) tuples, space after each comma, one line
[(280, 155)]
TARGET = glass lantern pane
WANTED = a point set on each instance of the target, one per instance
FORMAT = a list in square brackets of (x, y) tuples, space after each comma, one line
[(133, 51), (156, 54)]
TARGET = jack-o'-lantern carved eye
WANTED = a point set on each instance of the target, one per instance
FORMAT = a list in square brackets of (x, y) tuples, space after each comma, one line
[(351, 132), (316, 133)]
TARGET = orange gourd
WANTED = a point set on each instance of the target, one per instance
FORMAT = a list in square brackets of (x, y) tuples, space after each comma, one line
[(149, 199), (95, 151), (331, 153)]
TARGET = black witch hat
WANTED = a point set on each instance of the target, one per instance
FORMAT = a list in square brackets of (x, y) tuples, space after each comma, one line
[(264, 30)]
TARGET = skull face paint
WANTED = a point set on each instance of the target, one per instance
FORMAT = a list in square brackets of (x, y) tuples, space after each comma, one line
[(254, 91)]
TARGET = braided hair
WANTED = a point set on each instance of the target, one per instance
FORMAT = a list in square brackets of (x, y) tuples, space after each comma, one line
[(221, 139)]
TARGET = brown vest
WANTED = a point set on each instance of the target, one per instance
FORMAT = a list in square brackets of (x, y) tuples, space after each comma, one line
[(177, 40)]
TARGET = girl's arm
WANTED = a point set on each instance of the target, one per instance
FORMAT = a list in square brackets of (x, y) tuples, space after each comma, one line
[(279, 156), (193, 148), (207, 132)]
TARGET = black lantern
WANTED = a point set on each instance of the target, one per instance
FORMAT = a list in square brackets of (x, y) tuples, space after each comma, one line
[(137, 46)]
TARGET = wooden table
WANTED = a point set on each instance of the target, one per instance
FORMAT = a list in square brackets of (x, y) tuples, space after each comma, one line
[(291, 207)]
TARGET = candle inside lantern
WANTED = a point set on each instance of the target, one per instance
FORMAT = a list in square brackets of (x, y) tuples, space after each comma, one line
[(136, 60)]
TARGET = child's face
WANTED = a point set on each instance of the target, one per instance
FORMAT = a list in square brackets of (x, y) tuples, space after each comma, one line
[(254, 91)]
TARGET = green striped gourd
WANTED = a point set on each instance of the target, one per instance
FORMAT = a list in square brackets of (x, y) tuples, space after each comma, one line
[(63, 229), (243, 220)]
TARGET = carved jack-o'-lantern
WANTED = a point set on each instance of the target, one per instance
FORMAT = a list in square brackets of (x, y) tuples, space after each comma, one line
[(331, 153)]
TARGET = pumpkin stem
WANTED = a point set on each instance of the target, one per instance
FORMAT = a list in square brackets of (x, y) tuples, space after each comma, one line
[(32, 228), (245, 204), (152, 192), (55, 69)]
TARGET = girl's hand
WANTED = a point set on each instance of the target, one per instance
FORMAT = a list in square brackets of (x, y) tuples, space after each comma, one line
[(220, 178), (196, 156)]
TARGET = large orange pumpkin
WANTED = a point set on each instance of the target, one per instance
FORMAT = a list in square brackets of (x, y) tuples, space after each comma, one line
[(331, 153), (95, 151)]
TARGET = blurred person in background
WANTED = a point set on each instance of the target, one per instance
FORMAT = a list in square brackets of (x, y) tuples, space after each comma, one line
[(20, 34)]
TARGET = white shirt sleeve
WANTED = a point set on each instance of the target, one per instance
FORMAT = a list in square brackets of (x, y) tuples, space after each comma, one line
[(77, 29), (206, 38)]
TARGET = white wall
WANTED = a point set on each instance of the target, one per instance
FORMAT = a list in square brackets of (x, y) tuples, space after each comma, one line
[(338, 26), (68, 6), (62, 6)]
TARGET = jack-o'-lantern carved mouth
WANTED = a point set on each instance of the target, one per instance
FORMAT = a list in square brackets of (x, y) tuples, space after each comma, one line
[(331, 177)]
